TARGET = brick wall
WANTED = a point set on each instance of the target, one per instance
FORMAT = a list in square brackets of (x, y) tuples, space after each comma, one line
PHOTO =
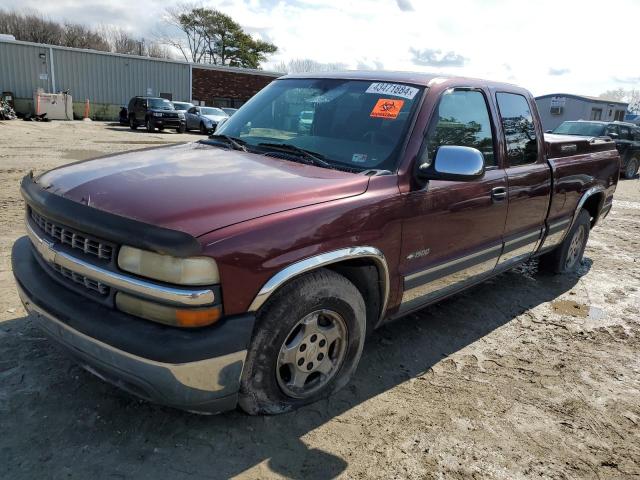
[(211, 86)]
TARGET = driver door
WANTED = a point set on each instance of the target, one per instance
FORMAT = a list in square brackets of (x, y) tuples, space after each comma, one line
[(453, 232), (192, 118)]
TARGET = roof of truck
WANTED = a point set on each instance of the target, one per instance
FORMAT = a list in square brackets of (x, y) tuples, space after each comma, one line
[(416, 78)]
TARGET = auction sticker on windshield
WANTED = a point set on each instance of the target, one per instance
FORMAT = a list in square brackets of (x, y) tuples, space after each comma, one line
[(394, 89), (387, 108)]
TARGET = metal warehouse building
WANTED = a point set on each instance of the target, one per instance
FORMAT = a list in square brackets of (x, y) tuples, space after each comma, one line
[(556, 108), (109, 80)]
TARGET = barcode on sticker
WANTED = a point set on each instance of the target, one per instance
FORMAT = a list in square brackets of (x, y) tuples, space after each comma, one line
[(394, 89)]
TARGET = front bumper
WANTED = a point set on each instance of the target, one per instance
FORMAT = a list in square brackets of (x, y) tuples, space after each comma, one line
[(197, 370), (158, 122)]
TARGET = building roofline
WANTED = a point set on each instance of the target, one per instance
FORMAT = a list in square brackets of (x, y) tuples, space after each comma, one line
[(246, 71), (582, 97)]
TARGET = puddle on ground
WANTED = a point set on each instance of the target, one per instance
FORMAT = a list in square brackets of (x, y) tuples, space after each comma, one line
[(575, 309)]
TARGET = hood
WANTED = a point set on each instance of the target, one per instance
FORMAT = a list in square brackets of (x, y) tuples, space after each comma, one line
[(197, 188), (215, 118)]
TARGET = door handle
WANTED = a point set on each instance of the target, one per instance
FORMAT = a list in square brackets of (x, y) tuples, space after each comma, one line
[(498, 194)]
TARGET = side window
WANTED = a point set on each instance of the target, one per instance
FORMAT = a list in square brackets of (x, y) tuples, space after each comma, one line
[(625, 133), (519, 129), (192, 110), (461, 119), (612, 129)]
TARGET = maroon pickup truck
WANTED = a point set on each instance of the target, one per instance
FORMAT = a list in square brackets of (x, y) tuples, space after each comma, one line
[(248, 268)]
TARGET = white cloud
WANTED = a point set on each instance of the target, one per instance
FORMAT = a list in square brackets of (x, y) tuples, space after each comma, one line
[(501, 40)]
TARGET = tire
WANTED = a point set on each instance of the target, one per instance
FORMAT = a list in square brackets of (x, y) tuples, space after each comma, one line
[(150, 128), (567, 257), (285, 324), (181, 129), (203, 129), (160, 129), (632, 167), (132, 123)]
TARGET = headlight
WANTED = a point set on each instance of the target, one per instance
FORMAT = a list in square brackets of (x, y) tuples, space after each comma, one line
[(157, 114), (181, 271), (180, 115)]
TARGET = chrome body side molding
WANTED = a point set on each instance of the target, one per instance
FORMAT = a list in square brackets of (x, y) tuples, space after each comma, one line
[(440, 280), (318, 261), (52, 253)]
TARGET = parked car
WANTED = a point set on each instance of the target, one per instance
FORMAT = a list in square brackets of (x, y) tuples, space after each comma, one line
[(625, 135), (305, 120), (154, 112), (182, 106), (248, 268), (205, 119), (229, 111)]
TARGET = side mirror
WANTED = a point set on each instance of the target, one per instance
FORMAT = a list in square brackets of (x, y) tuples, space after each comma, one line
[(613, 135), (454, 163)]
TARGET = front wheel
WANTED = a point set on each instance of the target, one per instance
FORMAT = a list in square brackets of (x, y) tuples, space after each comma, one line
[(632, 167), (567, 257), (181, 129), (203, 129), (149, 125), (132, 123), (307, 344)]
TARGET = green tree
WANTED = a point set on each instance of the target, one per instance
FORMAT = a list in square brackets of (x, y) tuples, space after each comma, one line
[(210, 36)]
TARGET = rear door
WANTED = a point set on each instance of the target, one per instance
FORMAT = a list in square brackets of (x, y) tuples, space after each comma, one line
[(452, 234), (528, 177)]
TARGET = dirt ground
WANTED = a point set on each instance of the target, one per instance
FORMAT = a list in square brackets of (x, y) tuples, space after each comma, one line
[(526, 376)]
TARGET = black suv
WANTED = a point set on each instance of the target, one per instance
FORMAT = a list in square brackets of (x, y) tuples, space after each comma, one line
[(626, 136), (154, 112)]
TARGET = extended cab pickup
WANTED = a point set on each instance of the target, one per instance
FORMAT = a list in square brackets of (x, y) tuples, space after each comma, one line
[(247, 268)]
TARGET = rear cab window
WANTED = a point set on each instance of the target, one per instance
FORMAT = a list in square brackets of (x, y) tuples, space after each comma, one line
[(519, 129)]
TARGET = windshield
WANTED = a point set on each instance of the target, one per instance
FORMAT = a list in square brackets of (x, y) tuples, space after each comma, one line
[(354, 123), (182, 105), (160, 104), (211, 111), (586, 129)]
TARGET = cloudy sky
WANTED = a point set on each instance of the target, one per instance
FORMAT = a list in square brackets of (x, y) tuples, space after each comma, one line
[(547, 46)]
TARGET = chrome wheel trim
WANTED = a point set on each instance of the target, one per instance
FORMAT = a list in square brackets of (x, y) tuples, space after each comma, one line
[(575, 247), (312, 353)]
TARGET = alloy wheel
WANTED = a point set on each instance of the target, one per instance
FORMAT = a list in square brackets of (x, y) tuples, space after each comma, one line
[(575, 247), (312, 353)]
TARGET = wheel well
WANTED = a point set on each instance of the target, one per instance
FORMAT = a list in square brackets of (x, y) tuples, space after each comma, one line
[(593, 205), (364, 274)]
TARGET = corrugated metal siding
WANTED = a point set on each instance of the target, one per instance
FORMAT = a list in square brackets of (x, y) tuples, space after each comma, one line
[(109, 79), (21, 67), (114, 79)]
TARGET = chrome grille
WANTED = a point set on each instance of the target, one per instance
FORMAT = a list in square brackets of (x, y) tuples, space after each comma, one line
[(72, 238), (88, 283)]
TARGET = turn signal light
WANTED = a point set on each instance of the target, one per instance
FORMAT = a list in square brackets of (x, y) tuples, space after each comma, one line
[(177, 317)]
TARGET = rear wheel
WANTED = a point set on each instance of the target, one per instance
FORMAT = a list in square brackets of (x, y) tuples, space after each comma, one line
[(567, 257), (132, 123), (632, 167), (307, 344)]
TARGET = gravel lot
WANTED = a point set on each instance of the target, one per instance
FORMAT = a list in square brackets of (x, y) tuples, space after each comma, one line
[(526, 376)]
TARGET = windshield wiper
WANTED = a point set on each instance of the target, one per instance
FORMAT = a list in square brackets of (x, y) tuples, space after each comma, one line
[(235, 143), (313, 157)]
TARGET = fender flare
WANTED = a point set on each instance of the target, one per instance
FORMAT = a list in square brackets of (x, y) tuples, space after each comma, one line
[(318, 261), (585, 196)]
